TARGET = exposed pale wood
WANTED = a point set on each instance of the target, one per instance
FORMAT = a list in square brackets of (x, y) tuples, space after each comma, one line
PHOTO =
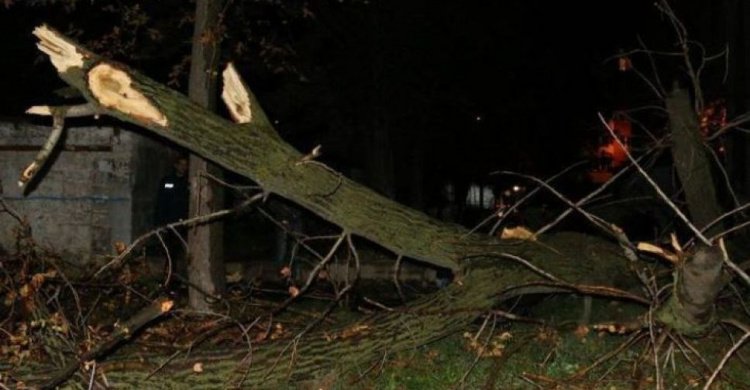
[(236, 96), (63, 53), (76, 111), (113, 89)]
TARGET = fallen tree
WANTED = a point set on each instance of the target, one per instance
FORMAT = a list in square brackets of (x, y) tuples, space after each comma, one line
[(488, 270)]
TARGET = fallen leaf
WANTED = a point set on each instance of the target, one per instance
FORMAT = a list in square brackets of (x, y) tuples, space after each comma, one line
[(38, 279), (119, 247), (293, 291), (166, 306), (519, 232), (581, 331), (624, 64)]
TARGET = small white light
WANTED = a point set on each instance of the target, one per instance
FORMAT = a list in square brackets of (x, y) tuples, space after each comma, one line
[(168, 185), (516, 188)]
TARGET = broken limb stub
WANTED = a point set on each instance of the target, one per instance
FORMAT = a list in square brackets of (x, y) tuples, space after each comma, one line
[(113, 89)]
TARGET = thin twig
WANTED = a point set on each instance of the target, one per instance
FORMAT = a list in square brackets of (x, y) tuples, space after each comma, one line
[(93, 374), (682, 40), (531, 266), (650, 181), (724, 360), (635, 337), (516, 205), (596, 221), (10, 210), (169, 259), (740, 299), (725, 215), (188, 222), (314, 273), (652, 337), (734, 267), (724, 174), (583, 201), (396, 268), (481, 351), (654, 69)]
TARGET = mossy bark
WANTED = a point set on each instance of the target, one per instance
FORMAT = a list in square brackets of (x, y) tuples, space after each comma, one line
[(358, 346), (690, 308), (489, 269)]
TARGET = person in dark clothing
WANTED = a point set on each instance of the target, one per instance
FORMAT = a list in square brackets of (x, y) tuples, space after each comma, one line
[(172, 205), (289, 217), (173, 200)]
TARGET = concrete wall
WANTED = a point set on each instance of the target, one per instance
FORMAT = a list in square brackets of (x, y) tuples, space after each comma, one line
[(90, 196)]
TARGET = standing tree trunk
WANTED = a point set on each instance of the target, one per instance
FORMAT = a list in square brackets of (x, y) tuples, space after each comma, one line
[(206, 270), (693, 162)]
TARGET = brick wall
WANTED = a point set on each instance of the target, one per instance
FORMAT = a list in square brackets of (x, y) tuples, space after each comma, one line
[(93, 193)]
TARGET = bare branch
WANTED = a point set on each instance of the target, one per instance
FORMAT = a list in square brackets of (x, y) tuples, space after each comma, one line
[(653, 66), (582, 202), (650, 181), (521, 201), (723, 362), (189, 222), (314, 272), (596, 221), (58, 115)]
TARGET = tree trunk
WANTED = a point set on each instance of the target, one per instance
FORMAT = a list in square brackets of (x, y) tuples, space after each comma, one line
[(487, 269), (206, 270), (693, 162), (690, 309), (357, 346)]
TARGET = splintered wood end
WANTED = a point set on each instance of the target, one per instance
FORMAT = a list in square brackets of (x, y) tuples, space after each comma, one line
[(39, 110), (63, 54), (235, 96), (112, 88)]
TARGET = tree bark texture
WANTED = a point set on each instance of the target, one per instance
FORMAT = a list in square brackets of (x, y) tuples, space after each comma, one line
[(487, 269), (205, 242), (356, 347), (693, 162), (690, 309)]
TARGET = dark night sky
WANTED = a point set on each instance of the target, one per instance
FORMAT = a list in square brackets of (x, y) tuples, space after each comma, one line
[(534, 71)]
